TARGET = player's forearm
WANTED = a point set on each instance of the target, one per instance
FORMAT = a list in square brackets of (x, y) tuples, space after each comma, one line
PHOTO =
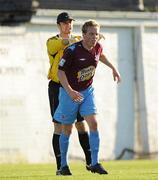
[(105, 61), (109, 65), (75, 95), (54, 46), (64, 82)]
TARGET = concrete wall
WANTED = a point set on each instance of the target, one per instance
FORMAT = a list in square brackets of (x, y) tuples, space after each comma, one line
[(116, 5), (127, 112)]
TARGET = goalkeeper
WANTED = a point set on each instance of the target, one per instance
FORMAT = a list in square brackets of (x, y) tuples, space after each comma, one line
[(55, 48)]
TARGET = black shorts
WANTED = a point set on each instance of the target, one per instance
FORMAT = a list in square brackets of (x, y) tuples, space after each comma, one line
[(53, 93)]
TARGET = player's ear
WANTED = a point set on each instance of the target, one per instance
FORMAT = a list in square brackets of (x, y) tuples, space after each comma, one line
[(83, 35)]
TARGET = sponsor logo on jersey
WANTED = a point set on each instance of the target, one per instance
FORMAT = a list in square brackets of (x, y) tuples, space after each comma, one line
[(86, 73), (62, 62), (82, 59)]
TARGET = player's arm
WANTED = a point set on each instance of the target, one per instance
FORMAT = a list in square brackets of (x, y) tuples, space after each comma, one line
[(105, 61), (64, 82), (54, 45), (101, 36), (75, 95), (63, 69)]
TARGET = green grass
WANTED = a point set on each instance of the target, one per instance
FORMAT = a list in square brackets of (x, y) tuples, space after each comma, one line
[(118, 170)]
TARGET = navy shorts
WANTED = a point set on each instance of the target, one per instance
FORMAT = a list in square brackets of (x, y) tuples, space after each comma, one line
[(53, 93)]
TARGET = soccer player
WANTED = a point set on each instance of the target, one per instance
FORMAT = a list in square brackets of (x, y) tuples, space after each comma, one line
[(55, 48), (76, 71)]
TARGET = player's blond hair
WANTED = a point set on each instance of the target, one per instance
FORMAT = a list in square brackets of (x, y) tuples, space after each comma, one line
[(89, 23)]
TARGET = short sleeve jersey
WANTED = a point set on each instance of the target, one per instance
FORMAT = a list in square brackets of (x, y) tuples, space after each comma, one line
[(79, 65)]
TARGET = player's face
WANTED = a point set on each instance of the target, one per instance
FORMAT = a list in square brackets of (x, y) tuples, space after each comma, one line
[(66, 27), (91, 36)]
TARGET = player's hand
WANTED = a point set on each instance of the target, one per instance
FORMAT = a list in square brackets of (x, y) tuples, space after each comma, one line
[(116, 76), (76, 96), (101, 36), (65, 42)]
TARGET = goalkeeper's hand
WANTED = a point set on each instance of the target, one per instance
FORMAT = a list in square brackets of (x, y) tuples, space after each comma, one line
[(101, 36), (65, 42)]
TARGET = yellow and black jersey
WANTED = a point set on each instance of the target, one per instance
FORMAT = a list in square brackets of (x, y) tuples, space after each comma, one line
[(55, 48)]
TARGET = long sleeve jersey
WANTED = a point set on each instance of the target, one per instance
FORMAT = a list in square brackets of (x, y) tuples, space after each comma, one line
[(55, 49)]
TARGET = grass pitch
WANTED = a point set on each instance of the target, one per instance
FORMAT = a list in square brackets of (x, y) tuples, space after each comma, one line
[(118, 170)]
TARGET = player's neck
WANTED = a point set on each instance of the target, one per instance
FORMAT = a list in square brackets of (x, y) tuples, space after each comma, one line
[(86, 46)]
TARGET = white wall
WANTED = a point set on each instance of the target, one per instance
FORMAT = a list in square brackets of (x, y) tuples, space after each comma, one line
[(150, 56)]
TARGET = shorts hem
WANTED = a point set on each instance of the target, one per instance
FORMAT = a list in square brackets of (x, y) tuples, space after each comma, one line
[(55, 121), (89, 114)]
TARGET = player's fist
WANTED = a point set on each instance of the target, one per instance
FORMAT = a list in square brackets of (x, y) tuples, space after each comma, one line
[(101, 36), (65, 42)]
